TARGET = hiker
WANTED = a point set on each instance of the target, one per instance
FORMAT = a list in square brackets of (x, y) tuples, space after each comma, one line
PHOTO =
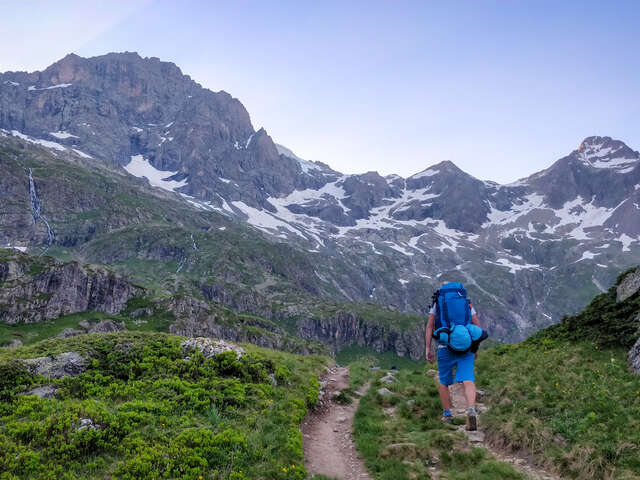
[(453, 322)]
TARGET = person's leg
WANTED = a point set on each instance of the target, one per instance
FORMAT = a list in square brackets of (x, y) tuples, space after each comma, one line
[(470, 393), (445, 397), (445, 374), (465, 374)]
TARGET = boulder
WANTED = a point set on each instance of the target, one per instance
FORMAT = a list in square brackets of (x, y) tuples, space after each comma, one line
[(106, 326), (15, 343), (70, 332), (629, 285), (388, 378), (384, 392), (67, 364), (44, 391), (88, 424), (209, 347)]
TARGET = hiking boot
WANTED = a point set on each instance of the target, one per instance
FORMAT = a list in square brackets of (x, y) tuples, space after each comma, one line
[(472, 419), (448, 419)]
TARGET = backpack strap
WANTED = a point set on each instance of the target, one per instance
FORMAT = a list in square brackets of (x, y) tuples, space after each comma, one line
[(467, 313), (444, 317)]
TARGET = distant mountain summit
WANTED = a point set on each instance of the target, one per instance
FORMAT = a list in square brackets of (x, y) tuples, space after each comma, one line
[(530, 251)]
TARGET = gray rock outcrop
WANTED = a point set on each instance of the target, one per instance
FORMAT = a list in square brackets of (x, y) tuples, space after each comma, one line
[(634, 358), (629, 285), (196, 318), (347, 328), (43, 391), (103, 326), (67, 364), (37, 289), (209, 347)]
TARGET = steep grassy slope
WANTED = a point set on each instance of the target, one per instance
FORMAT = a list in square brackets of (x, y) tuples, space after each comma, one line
[(157, 412), (566, 394)]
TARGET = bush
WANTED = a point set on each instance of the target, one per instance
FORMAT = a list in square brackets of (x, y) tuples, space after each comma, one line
[(154, 414)]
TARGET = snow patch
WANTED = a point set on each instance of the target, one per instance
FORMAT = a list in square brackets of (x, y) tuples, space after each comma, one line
[(513, 267), (429, 172), (15, 247), (139, 167), (44, 143), (626, 242), (263, 220), (62, 135), (82, 154), (60, 85), (306, 165)]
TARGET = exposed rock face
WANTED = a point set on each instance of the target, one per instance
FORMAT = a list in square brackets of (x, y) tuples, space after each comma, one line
[(68, 364), (629, 285), (103, 326), (70, 332), (209, 347), (346, 329), (634, 358), (33, 290), (119, 105), (195, 318)]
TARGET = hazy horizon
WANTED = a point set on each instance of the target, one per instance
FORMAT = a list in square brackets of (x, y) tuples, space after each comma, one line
[(500, 89)]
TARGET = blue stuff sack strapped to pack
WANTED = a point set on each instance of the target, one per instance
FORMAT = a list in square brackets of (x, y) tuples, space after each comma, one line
[(453, 326)]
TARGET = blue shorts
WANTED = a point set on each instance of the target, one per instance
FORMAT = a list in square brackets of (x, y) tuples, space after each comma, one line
[(463, 363)]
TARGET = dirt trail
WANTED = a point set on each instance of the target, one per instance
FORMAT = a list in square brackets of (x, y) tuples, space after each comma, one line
[(522, 464), (327, 433)]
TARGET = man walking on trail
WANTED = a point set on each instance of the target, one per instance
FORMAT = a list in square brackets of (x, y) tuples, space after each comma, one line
[(448, 357)]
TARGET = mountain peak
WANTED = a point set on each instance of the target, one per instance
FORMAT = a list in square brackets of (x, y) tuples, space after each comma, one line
[(606, 152)]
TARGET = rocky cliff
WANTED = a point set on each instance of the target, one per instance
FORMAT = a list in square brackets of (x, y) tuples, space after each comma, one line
[(347, 328), (37, 289), (196, 318)]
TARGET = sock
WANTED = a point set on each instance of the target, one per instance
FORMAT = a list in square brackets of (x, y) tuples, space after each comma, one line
[(446, 413), (472, 411)]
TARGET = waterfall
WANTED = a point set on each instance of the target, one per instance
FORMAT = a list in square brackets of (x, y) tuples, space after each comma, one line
[(36, 211), (195, 245), (181, 264)]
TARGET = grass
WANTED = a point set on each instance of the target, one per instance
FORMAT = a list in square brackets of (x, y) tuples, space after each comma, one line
[(160, 415), (566, 395), (30, 333), (573, 405), (401, 436)]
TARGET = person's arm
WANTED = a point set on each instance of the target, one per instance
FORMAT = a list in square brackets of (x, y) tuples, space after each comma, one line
[(475, 321), (429, 336)]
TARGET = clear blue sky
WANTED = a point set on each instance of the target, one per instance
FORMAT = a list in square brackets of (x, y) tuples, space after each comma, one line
[(501, 88)]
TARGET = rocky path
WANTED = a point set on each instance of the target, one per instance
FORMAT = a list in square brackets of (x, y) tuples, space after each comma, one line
[(327, 437), (522, 464)]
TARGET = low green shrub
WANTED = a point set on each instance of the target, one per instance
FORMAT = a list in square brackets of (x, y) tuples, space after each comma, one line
[(141, 411)]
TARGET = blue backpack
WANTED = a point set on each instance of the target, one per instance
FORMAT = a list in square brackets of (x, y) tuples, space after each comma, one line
[(453, 326)]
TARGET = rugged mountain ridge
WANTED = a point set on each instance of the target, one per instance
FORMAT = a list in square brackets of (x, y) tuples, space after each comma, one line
[(386, 240)]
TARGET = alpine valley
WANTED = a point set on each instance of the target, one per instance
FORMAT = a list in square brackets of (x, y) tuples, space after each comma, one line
[(152, 192)]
